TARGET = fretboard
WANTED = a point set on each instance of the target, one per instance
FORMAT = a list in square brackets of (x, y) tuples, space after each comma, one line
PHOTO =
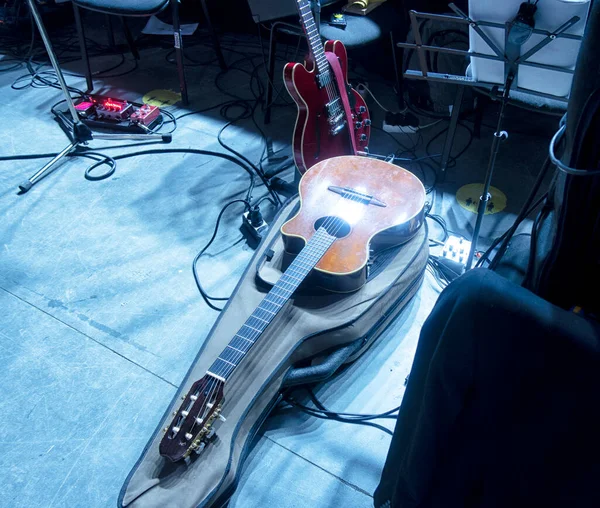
[(271, 304), (314, 38)]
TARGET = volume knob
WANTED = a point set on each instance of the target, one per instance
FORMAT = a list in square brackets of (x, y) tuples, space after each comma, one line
[(363, 137), (362, 109)]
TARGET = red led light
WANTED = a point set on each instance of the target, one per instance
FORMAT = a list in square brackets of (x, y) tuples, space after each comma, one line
[(108, 103), (83, 106)]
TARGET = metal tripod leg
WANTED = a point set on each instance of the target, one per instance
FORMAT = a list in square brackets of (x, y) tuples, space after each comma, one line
[(451, 132), (47, 169)]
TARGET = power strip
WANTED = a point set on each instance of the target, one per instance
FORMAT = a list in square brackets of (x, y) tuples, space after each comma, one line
[(404, 123), (399, 129), (456, 249)]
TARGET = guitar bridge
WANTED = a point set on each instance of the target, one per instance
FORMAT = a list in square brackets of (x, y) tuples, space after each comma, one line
[(337, 128)]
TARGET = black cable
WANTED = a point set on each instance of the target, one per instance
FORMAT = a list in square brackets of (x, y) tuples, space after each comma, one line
[(509, 232), (104, 159), (353, 418), (207, 298), (440, 220)]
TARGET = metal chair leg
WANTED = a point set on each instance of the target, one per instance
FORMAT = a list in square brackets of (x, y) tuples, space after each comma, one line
[(129, 38), (83, 48), (270, 73), (111, 31), (451, 132), (214, 36), (397, 74), (178, 43)]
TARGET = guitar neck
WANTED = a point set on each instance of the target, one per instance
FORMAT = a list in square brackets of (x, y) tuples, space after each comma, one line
[(312, 34), (269, 307)]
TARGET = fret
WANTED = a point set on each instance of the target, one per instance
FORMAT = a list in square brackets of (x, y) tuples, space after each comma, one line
[(279, 288), (256, 317), (276, 296), (306, 266), (241, 337), (265, 310), (251, 328), (291, 277), (223, 360), (240, 345), (235, 349)]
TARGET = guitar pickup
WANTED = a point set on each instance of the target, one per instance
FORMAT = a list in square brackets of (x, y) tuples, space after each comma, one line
[(323, 79), (334, 107)]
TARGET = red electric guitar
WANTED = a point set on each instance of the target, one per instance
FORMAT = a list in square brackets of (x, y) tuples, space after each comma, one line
[(332, 118)]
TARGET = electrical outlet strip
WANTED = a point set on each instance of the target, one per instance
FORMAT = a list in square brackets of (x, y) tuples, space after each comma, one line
[(456, 249), (399, 129)]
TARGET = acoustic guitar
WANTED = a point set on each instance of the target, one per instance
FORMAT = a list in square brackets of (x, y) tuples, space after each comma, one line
[(333, 118), (349, 206)]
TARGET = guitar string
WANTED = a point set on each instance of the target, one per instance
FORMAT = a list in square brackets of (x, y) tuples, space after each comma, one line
[(329, 87), (215, 383), (212, 390), (318, 243), (261, 310)]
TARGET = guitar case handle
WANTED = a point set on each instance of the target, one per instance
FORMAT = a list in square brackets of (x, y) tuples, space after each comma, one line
[(321, 372)]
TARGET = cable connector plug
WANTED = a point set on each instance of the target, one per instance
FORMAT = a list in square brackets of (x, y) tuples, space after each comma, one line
[(254, 222)]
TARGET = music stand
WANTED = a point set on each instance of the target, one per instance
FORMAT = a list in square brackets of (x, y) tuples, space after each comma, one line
[(499, 55), (79, 133)]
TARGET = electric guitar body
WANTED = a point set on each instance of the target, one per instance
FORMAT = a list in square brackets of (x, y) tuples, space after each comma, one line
[(313, 140), (333, 118)]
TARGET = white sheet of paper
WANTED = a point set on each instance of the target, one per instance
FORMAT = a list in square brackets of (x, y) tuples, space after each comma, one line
[(156, 27)]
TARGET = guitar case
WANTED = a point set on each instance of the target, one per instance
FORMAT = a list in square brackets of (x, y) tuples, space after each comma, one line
[(311, 338)]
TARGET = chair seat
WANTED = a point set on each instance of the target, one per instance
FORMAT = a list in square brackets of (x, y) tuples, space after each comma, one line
[(124, 7), (361, 30)]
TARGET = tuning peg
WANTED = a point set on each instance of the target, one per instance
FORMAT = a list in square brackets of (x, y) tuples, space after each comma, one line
[(199, 448), (222, 418), (210, 434)]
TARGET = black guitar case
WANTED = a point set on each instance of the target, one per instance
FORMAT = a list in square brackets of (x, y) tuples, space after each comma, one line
[(306, 342), (564, 266)]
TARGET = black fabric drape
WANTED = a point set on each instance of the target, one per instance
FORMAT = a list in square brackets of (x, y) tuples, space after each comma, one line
[(502, 405)]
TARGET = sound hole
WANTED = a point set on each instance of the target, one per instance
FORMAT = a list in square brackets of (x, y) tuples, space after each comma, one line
[(334, 225)]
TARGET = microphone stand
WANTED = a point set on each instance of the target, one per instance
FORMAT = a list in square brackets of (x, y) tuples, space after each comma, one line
[(80, 133)]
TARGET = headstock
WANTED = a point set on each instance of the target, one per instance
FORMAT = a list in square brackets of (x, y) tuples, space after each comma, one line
[(191, 428)]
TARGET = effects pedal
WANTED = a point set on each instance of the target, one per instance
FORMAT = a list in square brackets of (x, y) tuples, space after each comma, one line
[(116, 114)]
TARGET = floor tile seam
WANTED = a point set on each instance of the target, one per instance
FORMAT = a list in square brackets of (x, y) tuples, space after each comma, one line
[(96, 341), (345, 482)]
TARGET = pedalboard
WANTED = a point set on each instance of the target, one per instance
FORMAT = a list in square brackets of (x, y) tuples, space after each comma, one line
[(100, 111)]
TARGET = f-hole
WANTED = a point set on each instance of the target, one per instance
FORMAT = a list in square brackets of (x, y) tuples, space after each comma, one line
[(334, 225)]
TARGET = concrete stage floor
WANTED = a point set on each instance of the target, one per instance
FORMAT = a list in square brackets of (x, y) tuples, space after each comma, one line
[(100, 317)]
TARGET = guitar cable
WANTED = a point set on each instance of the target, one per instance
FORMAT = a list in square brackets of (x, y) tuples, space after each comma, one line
[(320, 411)]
